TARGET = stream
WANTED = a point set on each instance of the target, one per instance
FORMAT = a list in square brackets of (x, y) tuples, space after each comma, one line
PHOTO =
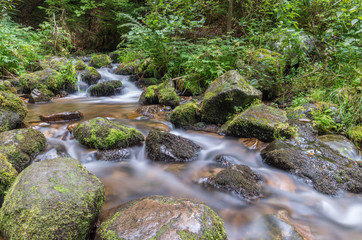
[(317, 215)]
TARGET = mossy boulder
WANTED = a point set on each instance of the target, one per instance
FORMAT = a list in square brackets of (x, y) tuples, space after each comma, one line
[(105, 88), (259, 121), (104, 134), (91, 76), (163, 94), (21, 146), (80, 65), (7, 86), (356, 135), (167, 147), (100, 60), (131, 68), (115, 55), (54, 62), (12, 111), (240, 180), (145, 82), (158, 217), (185, 115), (52, 199), (226, 92), (7, 176)]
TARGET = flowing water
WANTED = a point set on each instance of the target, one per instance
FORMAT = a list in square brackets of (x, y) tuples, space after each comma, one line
[(316, 215)]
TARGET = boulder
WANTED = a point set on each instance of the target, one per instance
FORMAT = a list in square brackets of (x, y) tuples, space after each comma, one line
[(259, 121), (226, 92), (100, 60), (7, 176), (158, 217), (37, 96), (7, 85), (132, 68), (104, 134), (240, 180), (56, 63), (115, 55), (185, 115), (62, 117), (356, 135), (167, 147), (52, 199), (91, 76), (80, 65), (21, 146), (163, 94), (12, 111), (105, 88), (149, 96)]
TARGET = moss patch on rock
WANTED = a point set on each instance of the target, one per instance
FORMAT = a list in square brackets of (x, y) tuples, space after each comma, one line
[(131, 68), (185, 115), (356, 135), (52, 199), (100, 60), (259, 121), (105, 88), (104, 134), (56, 63), (21, 146), (163, 94), (80, 65), (12, 111), (226, 92), (175, 219), (91, 76), (7, 176)]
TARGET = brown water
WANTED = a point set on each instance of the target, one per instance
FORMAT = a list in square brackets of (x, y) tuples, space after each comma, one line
[(315, 215)]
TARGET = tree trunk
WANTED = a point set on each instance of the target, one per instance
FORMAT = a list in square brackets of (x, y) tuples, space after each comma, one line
[(229, 16)]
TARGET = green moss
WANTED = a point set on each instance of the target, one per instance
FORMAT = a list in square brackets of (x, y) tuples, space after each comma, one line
[(217, 230), (100, 60), (6, 86), (80, 65), (356, 135), (105, 88), (167, 95), (185, 115), (104, 134), (12, 111), (7, 175), (91, 75), (61, 189)]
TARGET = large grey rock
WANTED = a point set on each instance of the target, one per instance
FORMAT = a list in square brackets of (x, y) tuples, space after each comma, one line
[(52, 199), (228, 91)]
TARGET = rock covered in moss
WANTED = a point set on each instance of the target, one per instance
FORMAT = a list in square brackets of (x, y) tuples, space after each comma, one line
[(356, 135), (240, 180), (163, 94), (80, 65), (12, 111), (104, 134), (105, 88), (131, 68), (7, 176), (185, 115), (38, 96), (259, 121), (167, 147), (52, 199), (7, 86), (100, 60), (115, 55), (21, 146), (91, 76), (226, 92), (54, 62), (158, 217)]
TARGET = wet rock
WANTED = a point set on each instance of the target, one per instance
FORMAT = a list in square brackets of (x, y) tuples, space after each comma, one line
[(37, 96), (71, 127), (185, 115), (131, 68), (259, 121), (356, 135), (21, 146), (80, 65), (56, 63), (240, 180), (106, 88), (163, 94), (62, 117), (158, 217), (226, 160), (52, 199), (224, 94), (167, 147), (7, 176), (145, 82), (58, 151), (115, 55), (201, 126), (316, 163), (105, 134), (100, 60), (91, 76), (342, 145), (113, 155), (12, 111)]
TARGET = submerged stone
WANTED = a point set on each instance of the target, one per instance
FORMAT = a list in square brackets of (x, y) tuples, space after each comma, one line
[(226, 92), (21, 146), (167, 147), (12, 111), (62, 117), (52, 199), (158, 217), (104, 134), (259, 121)]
